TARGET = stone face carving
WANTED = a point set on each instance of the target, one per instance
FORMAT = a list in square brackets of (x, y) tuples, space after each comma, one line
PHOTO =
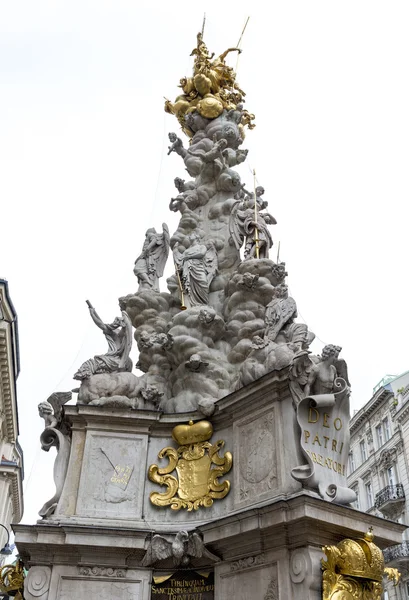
[(150, 264), (183, 547), (37, 583), (57, 434)]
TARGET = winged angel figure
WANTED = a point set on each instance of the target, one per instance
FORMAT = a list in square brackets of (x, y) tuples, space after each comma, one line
[(184, 547), (150, 264), (51, 410), (197, 266)]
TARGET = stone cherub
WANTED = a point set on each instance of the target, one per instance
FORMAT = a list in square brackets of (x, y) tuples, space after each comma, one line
[(195, 363), (323, 374), (150, 264), (177, 145)]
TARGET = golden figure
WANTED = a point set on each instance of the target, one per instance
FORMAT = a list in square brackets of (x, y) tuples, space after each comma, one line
[(354, 570), (211, 89), (198, 466)]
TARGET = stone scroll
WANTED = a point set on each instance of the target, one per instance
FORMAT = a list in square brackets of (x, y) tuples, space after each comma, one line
[(323, 420)]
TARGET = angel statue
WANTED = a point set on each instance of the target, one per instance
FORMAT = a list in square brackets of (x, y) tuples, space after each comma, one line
[(150, 264), (184, 547), (197, 266), (249, 224), (119, 337)]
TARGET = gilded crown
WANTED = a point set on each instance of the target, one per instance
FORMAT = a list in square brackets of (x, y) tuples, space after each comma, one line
[(361, 558), (192, 433)]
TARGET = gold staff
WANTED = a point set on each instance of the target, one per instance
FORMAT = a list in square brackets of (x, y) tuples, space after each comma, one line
[(182, 296), (256, 239)]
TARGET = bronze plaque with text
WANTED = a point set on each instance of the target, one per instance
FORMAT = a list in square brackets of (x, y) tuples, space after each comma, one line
[(183, 585)]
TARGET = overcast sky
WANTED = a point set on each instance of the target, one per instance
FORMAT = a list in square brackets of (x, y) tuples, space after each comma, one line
[(84, 170)]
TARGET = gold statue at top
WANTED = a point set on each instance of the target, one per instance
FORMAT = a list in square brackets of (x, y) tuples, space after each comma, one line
[(210, 90)]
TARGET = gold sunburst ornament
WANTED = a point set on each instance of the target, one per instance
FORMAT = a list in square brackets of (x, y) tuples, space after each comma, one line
[(198, 467)]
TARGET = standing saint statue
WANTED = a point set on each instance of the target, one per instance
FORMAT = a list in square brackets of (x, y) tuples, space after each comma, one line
[(197, 266), (119, 337), (248, 224), (150, 264)]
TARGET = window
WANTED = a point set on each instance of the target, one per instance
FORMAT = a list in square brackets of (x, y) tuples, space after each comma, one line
[(369, 495), (363, 450), (390, 476), (351, 462), (386, 429), (379, 435)]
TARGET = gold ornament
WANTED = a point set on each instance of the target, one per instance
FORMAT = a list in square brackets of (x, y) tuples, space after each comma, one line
[(354, 570), (198, 466), (212, 89), (12, 579)]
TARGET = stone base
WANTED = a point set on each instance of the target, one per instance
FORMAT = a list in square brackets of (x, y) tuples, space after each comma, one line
[(269, 553)]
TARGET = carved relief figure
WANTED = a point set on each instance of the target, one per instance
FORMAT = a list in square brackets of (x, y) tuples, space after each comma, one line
[(119, 337), (182, 549), (150, 264), (197, 266)]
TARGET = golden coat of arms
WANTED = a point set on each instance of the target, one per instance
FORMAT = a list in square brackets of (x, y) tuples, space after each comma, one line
[(198, 466)]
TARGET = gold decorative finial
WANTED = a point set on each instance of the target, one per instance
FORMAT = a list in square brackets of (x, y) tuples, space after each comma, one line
[(211, 89)]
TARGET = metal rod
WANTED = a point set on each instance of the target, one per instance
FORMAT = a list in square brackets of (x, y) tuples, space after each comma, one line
[(204, 22), (182, 296), (256, 239)]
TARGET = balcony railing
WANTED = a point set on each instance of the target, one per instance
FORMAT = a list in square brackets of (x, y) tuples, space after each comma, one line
[(397, 553), (388, 494)]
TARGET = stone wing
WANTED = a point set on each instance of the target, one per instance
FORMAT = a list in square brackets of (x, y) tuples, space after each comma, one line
[(158, 549)]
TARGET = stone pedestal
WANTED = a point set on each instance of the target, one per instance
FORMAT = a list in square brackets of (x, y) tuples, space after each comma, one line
[(268, 531)]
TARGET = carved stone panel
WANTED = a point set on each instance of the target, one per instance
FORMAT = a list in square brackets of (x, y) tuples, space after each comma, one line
[(112, 477), (258, 582), (256, 464), (99, 589)]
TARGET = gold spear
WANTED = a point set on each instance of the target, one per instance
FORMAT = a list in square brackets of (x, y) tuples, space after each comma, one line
[(182, 296)]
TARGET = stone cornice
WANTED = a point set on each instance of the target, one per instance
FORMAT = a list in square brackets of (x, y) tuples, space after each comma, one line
[(7, 386), (13, 473), (370, 407)]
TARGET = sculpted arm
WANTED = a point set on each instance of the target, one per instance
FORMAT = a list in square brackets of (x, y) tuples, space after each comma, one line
[(310, 383), (95, 317)]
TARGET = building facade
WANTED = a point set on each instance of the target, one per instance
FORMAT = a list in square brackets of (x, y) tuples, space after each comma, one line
[(379, 465), (11, 456)]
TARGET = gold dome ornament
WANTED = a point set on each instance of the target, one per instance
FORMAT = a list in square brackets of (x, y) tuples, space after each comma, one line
[(211, 90), (198, 467), (354, 569)]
